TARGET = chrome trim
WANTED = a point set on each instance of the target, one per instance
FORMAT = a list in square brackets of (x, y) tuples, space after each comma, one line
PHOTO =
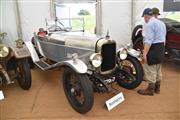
[(134, 52), (99, 45)]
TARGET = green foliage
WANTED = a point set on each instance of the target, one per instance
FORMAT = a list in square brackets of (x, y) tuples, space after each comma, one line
[(90, 23), (83, 12)]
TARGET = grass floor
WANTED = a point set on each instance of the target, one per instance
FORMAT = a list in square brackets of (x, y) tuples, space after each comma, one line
[(89, 26), (174, 16), (90, 21)]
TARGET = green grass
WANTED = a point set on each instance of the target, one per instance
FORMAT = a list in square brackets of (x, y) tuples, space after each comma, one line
[(90, 23), (174, 16)]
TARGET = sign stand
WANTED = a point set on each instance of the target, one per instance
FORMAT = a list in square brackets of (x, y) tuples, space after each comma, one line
[(114, 101), (1, 95)]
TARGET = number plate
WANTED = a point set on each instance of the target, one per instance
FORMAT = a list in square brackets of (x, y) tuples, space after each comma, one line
[(114, 101)]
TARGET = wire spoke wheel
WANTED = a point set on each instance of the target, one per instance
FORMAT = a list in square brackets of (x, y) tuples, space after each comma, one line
[(75, 89), (130, 73), (78, 90)]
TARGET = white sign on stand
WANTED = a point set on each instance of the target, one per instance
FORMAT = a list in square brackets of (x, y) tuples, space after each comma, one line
[(1, 95), (114, 101)]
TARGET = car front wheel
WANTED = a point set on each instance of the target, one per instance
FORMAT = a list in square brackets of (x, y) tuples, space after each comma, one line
[(78, 90), (129, 73), (24, 74)]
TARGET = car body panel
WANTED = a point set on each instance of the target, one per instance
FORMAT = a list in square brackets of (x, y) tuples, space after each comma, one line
[(59, 52), (173, 33)]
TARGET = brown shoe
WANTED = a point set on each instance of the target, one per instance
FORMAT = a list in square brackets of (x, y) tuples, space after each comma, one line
[(157, 87), (148, 91)]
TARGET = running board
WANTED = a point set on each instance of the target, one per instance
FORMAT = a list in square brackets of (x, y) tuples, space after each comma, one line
[(45, 66), (37, 61)]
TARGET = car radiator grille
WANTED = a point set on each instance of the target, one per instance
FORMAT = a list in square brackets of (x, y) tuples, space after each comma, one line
[(108, 53)]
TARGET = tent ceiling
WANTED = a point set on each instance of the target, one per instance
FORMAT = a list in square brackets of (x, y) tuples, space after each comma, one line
[(74, 1)]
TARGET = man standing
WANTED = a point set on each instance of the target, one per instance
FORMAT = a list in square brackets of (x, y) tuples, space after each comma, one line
[(156, 13), (153, 53)]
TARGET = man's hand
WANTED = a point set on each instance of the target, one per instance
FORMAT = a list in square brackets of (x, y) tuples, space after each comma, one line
[(144, 59)]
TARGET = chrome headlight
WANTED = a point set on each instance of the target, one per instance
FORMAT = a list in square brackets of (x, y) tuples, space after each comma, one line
[(123, 53), (96, 60), (4, 51)]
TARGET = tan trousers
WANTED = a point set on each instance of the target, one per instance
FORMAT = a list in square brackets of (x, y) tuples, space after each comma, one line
[(152, 73)]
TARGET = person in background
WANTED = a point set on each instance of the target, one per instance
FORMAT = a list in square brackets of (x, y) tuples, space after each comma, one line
[(153, 53), (155, 12)]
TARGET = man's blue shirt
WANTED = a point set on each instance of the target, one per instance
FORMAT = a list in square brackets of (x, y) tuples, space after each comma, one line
[(155, 31)]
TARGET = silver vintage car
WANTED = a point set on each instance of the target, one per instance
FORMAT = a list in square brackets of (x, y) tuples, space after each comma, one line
[(91, 63)]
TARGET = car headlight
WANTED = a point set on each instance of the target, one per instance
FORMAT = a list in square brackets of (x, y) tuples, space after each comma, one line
[(96, 60), (4, 51), (123, 53)]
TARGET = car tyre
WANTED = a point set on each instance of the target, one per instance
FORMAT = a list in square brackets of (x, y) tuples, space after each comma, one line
[(137, 32), (24, 74), (84, 86), (138, 77)]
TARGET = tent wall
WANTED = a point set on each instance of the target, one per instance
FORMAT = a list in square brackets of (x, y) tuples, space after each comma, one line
[(8, 19), (32, 15), (115, 17)]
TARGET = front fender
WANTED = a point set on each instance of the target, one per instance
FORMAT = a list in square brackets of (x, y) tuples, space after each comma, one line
[(77, 65), (134, 53)]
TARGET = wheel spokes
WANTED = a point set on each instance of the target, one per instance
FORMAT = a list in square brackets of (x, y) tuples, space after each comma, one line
[(76, 90), (129, 72)]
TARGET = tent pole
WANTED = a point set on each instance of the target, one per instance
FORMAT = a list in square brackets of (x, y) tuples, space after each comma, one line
[(98, 17), (132, 15), (18, 20)]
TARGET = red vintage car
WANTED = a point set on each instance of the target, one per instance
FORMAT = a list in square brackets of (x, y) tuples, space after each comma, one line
[(172, 39)]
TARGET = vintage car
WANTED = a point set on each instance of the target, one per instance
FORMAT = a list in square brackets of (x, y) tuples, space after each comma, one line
[(172, 39), (91, 62), (14, 63)]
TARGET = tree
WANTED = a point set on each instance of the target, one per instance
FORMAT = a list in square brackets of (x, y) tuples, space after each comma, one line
[(83, 12)]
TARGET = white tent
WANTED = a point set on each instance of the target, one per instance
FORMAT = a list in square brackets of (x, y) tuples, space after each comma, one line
[(119, 16)]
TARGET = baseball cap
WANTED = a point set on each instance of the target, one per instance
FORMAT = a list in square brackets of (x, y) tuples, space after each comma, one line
[(155, 11), (147, 11)]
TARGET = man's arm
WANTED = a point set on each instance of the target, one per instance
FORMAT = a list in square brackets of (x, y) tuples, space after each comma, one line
[(145, 51), (149, 37)]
